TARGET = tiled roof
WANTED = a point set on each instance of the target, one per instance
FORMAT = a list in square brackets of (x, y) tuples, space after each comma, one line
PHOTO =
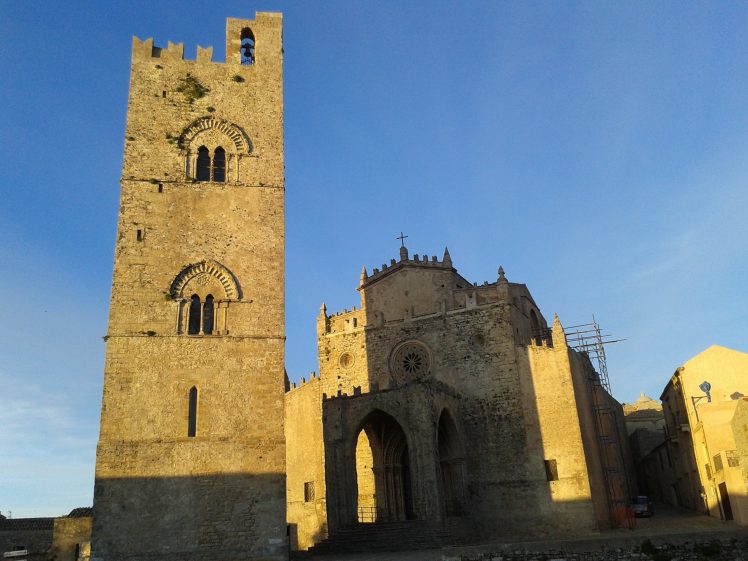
[(17, 524)]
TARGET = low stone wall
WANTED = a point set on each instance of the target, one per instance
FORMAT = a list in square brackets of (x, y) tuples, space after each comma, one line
[(714, 549)]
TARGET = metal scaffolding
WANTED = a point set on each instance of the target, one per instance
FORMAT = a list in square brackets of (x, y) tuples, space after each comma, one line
[(589, 339)]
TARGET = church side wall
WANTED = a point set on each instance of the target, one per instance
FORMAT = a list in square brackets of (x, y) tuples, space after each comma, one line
[(305, 464), (548, 391), (585, 408)]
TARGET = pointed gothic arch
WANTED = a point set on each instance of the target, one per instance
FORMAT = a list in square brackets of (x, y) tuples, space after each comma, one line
[(389, 476)]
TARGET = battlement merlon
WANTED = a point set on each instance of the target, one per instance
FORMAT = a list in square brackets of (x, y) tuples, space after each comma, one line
[(424, 261), (266, 30)]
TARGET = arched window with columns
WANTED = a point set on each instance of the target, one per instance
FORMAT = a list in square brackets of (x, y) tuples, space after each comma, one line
[(214, 150), (204, 293)]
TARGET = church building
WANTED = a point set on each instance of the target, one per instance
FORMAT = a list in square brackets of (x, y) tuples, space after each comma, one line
[(453, 409)]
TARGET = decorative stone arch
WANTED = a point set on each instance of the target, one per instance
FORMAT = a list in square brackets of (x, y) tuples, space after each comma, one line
[(212, 269), (211, 286), (213, 133), (239, 138), (387, 481)]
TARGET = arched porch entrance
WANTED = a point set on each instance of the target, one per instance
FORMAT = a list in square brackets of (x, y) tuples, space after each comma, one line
[(383, 475)]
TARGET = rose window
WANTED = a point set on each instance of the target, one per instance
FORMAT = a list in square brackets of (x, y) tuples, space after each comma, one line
[(346, 360), (410, 360)]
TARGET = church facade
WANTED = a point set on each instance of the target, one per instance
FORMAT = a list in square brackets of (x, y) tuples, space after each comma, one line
[(438, 402), (455, 405)]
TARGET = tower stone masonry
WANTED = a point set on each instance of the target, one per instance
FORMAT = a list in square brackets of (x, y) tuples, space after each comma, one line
[(191, 456)]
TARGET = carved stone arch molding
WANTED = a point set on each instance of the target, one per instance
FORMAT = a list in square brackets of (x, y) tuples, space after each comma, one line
[(209, 268), (240, 140), (202, 310)]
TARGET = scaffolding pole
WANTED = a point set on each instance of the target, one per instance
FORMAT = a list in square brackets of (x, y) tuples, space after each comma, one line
[(589, 339)]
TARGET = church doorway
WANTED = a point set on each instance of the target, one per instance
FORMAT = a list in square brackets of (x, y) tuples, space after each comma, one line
[(383, 474), (451, 465)]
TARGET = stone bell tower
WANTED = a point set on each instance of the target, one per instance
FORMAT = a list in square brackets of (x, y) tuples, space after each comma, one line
[(191, 456)]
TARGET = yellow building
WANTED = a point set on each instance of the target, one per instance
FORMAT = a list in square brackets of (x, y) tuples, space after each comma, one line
[(700, 403)]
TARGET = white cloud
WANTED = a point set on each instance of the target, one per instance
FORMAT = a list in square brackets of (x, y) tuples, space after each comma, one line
[(46, 451)]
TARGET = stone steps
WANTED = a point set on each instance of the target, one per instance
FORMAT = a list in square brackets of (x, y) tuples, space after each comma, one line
[(384, 536)]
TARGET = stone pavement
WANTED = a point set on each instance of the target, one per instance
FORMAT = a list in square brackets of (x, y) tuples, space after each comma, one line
[(422, 555), (669, 524)]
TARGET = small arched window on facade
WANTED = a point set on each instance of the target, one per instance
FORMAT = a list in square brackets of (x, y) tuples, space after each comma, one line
[(193, 326), (202, 171), (248, 46), (208, 315), (219, 165), (192, 413)]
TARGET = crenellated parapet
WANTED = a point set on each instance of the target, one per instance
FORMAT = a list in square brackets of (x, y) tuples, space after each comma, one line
[(241, 35), (304, 381), (419, 287), (346, 321), (405, 261)]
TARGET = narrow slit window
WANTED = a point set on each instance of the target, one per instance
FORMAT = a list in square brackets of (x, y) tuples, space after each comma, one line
[(193, 326), (192, 413), (160, 187), (203, 164), (208, 315), (140, 235), (219, 165), (551, 470)]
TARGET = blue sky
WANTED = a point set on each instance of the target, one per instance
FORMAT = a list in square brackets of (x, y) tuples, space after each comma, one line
[(596, 150)]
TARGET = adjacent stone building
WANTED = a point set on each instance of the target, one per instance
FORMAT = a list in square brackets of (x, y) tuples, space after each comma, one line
[(645, 425), (65, 538), (451, 405), (191, 456), (705, 414)]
